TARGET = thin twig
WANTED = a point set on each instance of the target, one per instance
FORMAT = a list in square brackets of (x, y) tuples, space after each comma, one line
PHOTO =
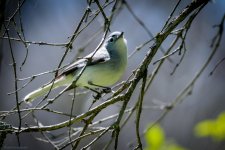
[(171, 15), (83, 136), (168, 55), (15, 78), (13, 15), (101, 10), (43, 134), (139, 110), (142, 25), (71, 114), (34, 42), (216, 66), (93, 141), (24, 39), (87, 122)]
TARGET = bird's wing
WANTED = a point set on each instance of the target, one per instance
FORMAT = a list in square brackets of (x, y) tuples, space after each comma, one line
[(99, 57)]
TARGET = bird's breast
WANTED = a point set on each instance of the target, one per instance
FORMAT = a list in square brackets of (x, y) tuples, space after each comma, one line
[(103, 74)]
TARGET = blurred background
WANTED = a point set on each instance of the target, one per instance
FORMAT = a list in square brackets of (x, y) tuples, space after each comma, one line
[(54, 21)]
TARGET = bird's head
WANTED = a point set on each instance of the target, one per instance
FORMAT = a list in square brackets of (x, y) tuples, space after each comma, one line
[(116, 41)]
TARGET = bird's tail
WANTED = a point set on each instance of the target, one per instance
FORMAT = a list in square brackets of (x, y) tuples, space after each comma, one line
[(62, 81)]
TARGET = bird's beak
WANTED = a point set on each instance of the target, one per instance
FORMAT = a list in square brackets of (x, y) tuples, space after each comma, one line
[(121, 35)]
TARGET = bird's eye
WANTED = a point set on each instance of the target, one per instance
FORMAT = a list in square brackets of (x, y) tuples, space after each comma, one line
[(111, 40)]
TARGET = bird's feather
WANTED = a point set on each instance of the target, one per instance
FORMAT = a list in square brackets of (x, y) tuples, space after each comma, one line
[(99, 57)]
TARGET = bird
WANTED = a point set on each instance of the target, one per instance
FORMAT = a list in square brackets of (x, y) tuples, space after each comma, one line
[(101, 68)]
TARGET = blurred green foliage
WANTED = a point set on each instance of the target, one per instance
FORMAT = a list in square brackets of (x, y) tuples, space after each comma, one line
[(156, 140), (212, 128)]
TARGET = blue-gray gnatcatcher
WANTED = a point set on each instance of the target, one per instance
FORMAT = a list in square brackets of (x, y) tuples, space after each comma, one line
[(106, 67)]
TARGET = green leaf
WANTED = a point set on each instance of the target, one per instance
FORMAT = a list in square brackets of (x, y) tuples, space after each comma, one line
[(212, 128), (155, 138)]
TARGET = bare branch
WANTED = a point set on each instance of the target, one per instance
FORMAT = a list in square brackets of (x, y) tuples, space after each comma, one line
[(86, 125)]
